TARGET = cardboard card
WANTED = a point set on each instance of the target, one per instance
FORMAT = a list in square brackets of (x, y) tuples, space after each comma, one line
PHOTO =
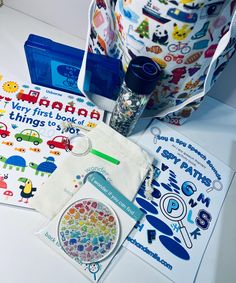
[(92, 226)]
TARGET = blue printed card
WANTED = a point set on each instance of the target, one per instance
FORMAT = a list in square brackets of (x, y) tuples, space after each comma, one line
[(186, 201)]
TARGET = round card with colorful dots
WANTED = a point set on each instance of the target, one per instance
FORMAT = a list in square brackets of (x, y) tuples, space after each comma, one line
[(88, 230)]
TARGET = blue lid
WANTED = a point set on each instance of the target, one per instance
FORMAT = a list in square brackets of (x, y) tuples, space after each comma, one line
[(142, 75), (57, 66)]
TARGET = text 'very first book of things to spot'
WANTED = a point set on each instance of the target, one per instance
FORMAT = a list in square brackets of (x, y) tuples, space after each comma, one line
[(32, 140)]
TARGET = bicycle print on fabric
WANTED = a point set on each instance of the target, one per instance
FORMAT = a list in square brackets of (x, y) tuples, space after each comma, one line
[(181, 36)]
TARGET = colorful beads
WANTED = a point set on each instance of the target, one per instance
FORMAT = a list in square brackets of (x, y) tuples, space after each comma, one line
[(88, 230)]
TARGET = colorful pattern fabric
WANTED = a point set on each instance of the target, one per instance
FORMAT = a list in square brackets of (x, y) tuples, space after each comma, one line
[(180, 35)]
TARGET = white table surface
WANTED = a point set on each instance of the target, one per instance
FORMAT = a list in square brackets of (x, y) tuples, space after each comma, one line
[(23, 258)]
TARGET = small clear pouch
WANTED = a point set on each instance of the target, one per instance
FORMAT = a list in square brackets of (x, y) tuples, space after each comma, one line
[(115, 158), (90, 229)]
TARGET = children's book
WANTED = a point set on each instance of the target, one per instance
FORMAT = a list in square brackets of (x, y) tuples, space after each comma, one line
[(181, 212), (32, 139)]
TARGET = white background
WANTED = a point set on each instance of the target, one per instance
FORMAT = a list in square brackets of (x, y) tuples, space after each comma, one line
[(24, 259), (67, 15)]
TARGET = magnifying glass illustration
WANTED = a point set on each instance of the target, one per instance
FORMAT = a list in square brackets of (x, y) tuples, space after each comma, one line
[(94, 268), (81, 145), (155, 132), (216, 185), (174, 208)]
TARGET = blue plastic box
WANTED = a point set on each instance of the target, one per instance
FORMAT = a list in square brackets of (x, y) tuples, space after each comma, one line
[(57, 66)]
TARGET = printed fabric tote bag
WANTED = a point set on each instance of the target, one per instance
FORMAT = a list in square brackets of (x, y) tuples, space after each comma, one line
[(192, 41)]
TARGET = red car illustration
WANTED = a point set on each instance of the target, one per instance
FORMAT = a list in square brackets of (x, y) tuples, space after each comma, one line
[(60, 142), (3, 130)]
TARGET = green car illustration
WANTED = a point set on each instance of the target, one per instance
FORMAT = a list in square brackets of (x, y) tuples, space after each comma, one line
[(30, 136)]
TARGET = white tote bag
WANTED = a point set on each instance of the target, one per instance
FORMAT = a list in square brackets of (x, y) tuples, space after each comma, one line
[(123, 163)]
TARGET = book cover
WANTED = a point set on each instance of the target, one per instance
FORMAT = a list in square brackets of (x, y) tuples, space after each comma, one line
[(32, 139)]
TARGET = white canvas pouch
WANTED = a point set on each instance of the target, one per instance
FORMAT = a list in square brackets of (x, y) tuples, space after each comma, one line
[(127, 176)]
